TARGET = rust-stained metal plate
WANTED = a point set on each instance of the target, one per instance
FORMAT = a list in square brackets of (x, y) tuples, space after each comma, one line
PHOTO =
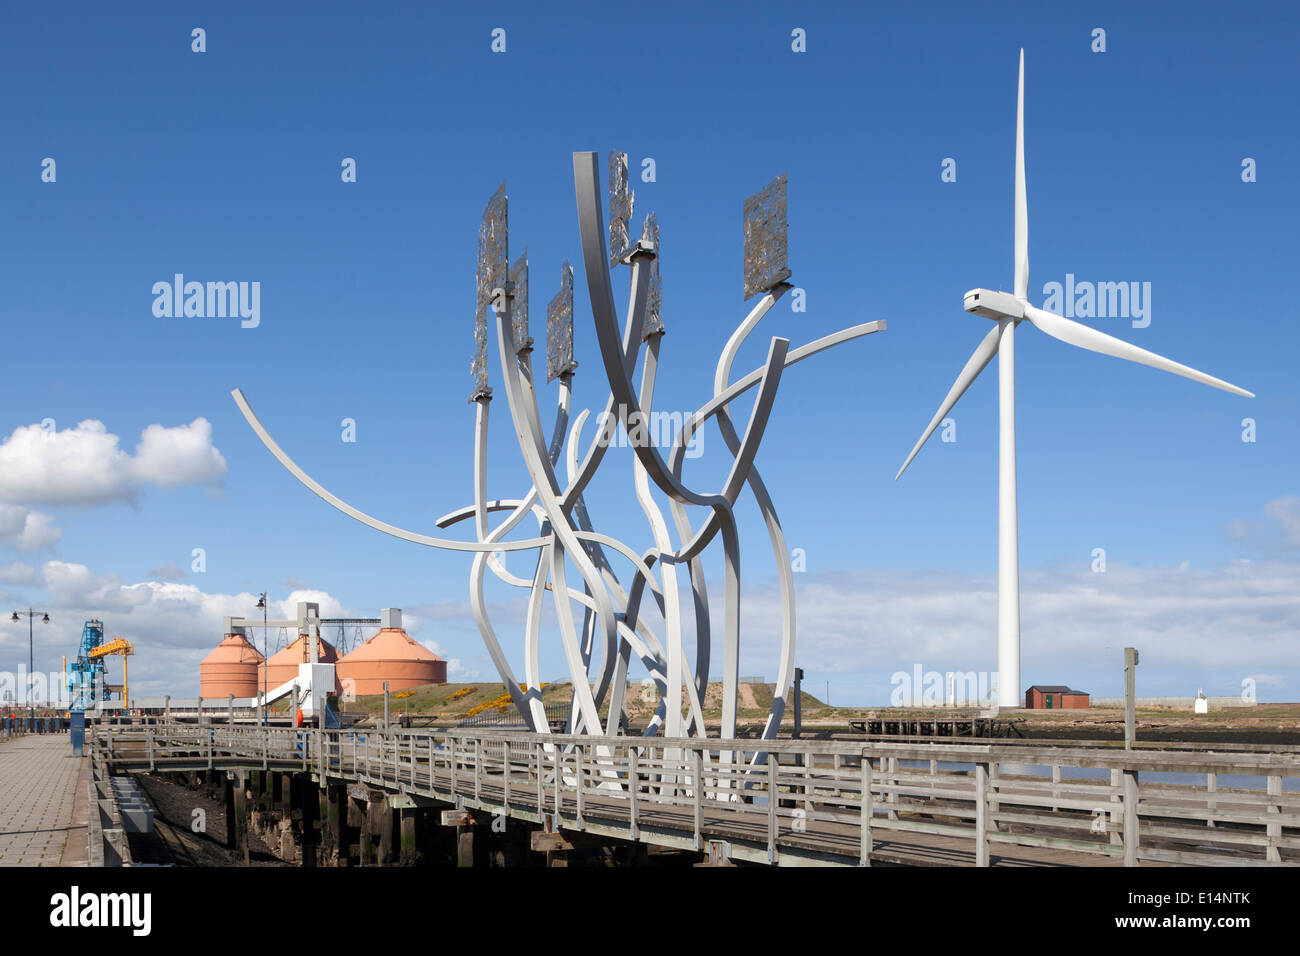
[(654, 299), (519, 302), (766, 251), (621, 201), (559, 328), (492, 254)]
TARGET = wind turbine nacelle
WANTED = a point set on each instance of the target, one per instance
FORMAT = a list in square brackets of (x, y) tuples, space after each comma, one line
[(994, 305)]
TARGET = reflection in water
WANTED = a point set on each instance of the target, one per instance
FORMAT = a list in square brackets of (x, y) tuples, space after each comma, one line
[(1224, 781)]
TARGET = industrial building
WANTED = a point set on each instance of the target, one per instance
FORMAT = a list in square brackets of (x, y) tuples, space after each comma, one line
[(390, 656), (235, 668), (232, 669), (1056, 697)]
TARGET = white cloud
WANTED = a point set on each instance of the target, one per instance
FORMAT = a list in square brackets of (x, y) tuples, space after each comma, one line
[(27, 530), (18, 573), (171, 571), (1285, 511), (85, 465), (453, 610), (73, 585), (288, 608), (1194, 627), (457, 672), (183, 455), (1269, 680), (1281, 532)]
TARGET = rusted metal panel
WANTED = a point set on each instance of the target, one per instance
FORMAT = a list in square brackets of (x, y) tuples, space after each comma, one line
[(621, 201), (519, 302), (653, 324), (766, 249), (559, 328), (492, 254)]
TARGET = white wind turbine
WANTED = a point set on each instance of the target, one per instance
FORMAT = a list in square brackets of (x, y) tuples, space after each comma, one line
[(1008, 310)]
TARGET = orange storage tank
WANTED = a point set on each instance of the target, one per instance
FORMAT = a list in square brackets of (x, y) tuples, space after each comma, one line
[(391, 655), (283, 665), (231, 668)]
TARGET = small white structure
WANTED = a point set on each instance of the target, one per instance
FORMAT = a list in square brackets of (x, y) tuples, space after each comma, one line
[(1202, 704)]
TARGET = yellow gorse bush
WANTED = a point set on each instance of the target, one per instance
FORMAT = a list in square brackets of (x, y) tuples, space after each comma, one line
[(501, 702)]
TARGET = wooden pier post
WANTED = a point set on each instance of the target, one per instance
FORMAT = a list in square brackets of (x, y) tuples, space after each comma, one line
[(994, 805), (309, 805), (228, 801), (1130, 817), (771, 807), (1116, 815), (981, 814), (864, 823), (240, 816), (410, 854), (330, 826), (892, 796), (384, 819), (1274, 830), (464, 824), (1211, 785), (356, 821)]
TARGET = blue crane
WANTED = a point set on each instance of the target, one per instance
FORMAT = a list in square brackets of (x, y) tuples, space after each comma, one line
[(86, 675)]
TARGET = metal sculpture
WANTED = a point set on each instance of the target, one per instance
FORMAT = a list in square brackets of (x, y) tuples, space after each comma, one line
[(610, 627), (1008, 310)]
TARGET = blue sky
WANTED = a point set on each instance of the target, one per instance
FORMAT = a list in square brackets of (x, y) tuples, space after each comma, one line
[(225, 166)]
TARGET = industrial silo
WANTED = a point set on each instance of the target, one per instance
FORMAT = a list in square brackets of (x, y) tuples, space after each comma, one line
[(231, 668), (391, 655)]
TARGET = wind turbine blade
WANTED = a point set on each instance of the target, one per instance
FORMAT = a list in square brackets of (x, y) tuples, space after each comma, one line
[(979, 359), (1022, 203), (1073, 333)]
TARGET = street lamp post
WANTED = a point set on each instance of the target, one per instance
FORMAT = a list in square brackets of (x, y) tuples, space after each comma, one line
[(261, 603), (45, 619)]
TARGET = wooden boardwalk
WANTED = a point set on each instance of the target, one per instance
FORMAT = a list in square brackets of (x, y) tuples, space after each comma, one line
[(800, 802)]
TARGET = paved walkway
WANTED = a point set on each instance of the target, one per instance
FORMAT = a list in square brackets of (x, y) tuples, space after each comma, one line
[(38, 777)]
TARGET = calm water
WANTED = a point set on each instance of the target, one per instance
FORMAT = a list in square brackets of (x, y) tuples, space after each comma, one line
[(1100, 773)]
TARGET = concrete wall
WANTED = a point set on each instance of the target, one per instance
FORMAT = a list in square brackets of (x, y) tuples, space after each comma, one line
[(1178, 703)]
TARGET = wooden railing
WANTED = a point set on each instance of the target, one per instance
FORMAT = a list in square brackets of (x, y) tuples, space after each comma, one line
[(830, 800), (106, 840)]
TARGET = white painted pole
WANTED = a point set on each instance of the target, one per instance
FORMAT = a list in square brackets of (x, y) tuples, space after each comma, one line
[(1008, 535)]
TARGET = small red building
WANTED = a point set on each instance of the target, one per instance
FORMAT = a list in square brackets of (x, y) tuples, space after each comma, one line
[(1056, 697)]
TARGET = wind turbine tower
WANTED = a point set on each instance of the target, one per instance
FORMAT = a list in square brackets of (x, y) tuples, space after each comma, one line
[(1008, 310)]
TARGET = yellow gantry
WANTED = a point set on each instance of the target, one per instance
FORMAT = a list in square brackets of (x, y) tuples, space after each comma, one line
[(119, 645)]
